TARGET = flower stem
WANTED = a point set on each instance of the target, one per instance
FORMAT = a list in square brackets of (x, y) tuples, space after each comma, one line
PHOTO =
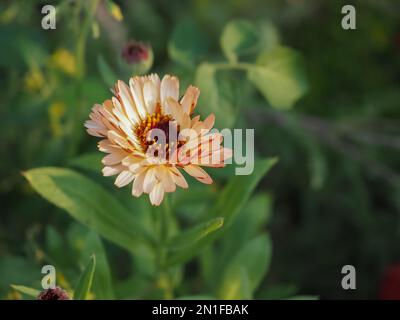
[(165, 280)]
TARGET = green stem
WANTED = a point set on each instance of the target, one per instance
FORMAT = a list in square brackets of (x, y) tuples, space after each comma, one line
[(80, 50), (165, 280)]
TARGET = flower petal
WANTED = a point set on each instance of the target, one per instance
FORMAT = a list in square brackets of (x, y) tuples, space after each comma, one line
[(189, 99), (150, 95), (137, 186), (127, 101), (178, 178), (169, 88), (150, 180), (124, 178), (198, 173), (137, 92), (157, 194)]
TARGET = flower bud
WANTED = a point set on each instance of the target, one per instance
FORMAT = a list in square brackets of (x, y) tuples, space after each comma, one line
[(138, 56), (53, 294)]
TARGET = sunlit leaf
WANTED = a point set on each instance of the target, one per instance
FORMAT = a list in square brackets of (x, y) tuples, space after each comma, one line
[(237, 286), (89, 203), (280, 77), (191, 236), (239, 37), (253, 259), (26, 290)]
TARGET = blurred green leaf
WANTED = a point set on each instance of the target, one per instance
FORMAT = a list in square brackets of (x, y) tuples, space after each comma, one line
[(280, 76), (277, 291), (189, 243), (238, 190), (253, 260), (197, 297), (304, 297), (239, 37), (106, 71), (195, 234), (89, 161), (26, 290), (236, 286), (88, 203), (15, 269), (187, 44), (55, 247), (84, 284), (231, 200), (251, 219), (218, 94), (102, 283)]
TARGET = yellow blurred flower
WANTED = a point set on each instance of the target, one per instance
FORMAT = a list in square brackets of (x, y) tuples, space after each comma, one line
[(64, 60), (56, 113), (115, 11), (33, 80), (63, 282), (13, 295)]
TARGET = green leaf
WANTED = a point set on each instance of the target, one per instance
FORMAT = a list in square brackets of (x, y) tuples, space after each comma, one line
[(253, 259), (90, 204), (195, 234), (280, 77), (220, 94), (231, 200), (238, 190), (189, 243), (102, 283), (237, 287), (197, 297), (89, 161), (26, 290), (187, 44), (239, 37), (304, 297), (106, 71), (84, 284), (249, 222)]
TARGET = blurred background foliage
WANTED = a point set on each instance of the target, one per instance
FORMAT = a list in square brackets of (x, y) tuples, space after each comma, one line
[(325, 101)]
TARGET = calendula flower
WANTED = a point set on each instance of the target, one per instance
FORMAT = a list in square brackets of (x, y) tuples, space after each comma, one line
[(150, 136)]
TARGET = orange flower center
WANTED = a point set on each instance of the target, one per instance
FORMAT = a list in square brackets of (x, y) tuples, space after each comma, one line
[(162, 122)]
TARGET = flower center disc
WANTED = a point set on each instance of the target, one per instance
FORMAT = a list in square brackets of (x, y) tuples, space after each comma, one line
[(162, 122)]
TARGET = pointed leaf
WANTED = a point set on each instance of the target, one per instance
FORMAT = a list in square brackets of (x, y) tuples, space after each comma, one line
[(231, 200), (84, 284), (26, 290), (253, 259), (195, 234), (89, 203), (102, 283)]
